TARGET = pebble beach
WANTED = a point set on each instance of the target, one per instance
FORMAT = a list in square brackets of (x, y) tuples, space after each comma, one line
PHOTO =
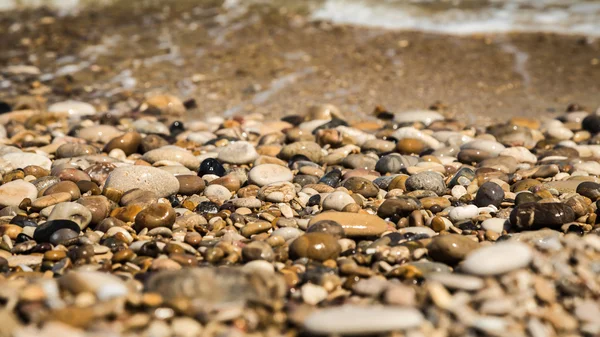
[(148, 206)]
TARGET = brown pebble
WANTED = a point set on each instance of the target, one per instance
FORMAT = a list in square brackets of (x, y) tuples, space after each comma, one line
[(128, 142), (316, 246), (190, 184), (127, 213), (64, 186), (54, 255), (156, 215)]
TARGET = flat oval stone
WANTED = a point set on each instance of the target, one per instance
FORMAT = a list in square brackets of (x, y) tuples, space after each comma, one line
[(240, 152), (316, 246), (589, 189), (498, 259), (451, 248), (310, 150), (172, 153), (43, 232), (70, 150), (354, 224), (190, 184), (71, 211), (337, 201), (265, 174), (73, 108), (99, 133), (362, 320), (401, 207), (489, 146), (424, 116), (457, 281), (24, 159), (529, 216), (13, 193), (428, 181), (64, 187), (147, 178)]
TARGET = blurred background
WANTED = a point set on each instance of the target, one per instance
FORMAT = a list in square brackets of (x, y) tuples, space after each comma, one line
[(475, 60)]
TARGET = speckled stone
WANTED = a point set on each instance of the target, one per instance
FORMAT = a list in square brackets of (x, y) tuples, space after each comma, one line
[(148, 178)]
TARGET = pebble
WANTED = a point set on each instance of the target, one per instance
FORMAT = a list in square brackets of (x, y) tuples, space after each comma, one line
[(147, 178), (457, 281), (218, 193), (359, 320), (240, 152), (265, 174), (310, 150), (43, 232), (13, 193), (277, 192), (489, 194), (496, 225), (172, 153), (190, 184), (354, 224), (337, 201), (24, 159), (428, 181), (155, 215), (529, 216), (463, 213), (75, 212), (73, 108), (424, 116), (451, 248), (317, 246), (104, 286), (498, 259), (361, 186)]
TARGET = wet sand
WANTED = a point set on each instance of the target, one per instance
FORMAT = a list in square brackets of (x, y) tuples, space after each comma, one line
[(275, 61)]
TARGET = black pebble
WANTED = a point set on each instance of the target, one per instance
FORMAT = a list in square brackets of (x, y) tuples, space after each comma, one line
[(332, 178), (207, 207), (211, 166), (314, 200), (44, 231)]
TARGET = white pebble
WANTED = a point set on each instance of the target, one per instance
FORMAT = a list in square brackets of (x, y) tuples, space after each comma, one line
[(497, 259)]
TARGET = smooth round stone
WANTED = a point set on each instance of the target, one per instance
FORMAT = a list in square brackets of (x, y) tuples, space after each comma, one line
[(489, 146), (378, 146), (498, 259), (147, 178), (64, 187), (362, 320), (463, 213), (104, 285), (265, 174), (277, 192), (167, 104), (190, 184), (155, 215), (43, 232), (258, 250), (489, 194), (71, 211), (457, 281), (429, 202), (590, 167), (310, 150), (172, 153), (361, 186), (73, 108), (128, 142), (589, 189), (531, 216), (99, 133), (428, 181), (450, 248), (337, 201), (392, 163), (217, 192), (315, 246), (73, 175), (591, 123), (411, 146), (98, 205), (303, 180), (495, 225), (359, 161), (211, 166), (424, 116), (354, 224), (13, 193), (24, 159), (399, 207), (521, 154), (70, 150), (240, 152)]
